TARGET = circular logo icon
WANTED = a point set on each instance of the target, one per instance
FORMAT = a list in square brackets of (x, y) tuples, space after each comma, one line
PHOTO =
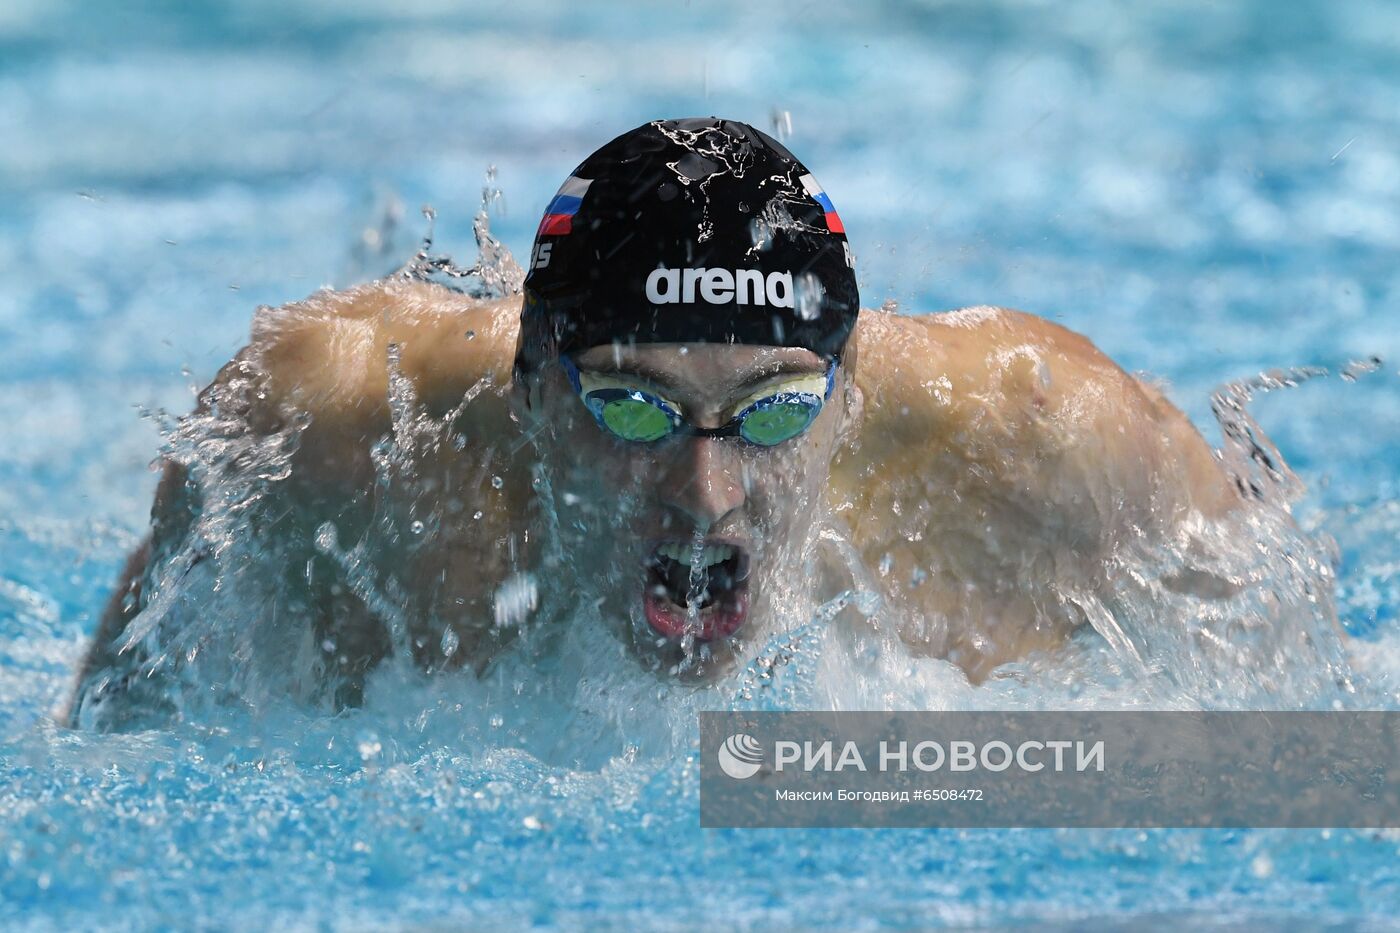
[(740, 756)]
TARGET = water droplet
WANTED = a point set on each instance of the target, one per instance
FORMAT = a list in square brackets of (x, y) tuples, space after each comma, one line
[(471, 335), (781, 122), (450, 642), (886, 564), (497, 482), (810, 295), (325, 541), (416, 527), (369, 747), (1358, 368), (516, 598)]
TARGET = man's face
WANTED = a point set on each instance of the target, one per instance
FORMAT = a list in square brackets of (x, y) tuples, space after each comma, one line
[(686, 539)]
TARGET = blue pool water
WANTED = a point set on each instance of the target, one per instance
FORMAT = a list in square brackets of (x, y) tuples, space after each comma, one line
[(1207, 190)]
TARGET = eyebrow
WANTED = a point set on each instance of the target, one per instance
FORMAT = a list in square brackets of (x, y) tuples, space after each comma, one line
[(744, 379)]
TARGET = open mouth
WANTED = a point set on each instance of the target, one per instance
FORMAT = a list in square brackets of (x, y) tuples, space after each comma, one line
[(697, 590)]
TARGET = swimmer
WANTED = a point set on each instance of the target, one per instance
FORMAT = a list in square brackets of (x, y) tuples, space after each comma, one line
[(687, 390)]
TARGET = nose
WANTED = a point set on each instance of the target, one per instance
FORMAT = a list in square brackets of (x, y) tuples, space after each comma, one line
[(704, 482)]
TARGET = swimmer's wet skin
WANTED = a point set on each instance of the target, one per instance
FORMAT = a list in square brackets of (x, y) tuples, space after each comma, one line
[(690, 370)]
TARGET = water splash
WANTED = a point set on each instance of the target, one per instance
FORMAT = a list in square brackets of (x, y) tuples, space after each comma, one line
[(1251, 458), (1355, 369), (695, 587), (496, 273), (1240, 611)]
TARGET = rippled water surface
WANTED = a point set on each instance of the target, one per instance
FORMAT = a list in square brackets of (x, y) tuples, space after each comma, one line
[(1206, 190)]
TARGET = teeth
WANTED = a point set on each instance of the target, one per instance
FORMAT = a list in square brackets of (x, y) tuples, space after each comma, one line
[(710, 554)]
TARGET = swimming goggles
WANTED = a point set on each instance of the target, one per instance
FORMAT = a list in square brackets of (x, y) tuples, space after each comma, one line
[(765, 419)]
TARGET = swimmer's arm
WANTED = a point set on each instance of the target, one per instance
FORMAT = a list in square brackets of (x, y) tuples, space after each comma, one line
[(324, 361), (1109, 436), (1008, 458), (333, 359), (122, 606)]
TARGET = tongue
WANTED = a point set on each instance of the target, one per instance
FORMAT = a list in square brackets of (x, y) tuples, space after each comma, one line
[(686, 585), (718, 619)]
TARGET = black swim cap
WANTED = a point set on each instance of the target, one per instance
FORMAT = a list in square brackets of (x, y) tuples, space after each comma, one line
[(699, 230)]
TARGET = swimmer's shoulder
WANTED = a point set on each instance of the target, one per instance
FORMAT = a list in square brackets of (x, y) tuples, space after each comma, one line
[(1029, 404), (1000, 368), (968, 343), (332, 354), (936, 378), (326, 362)]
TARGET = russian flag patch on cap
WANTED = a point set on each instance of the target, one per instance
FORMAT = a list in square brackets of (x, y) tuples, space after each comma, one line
[(559, 215), (833, 222)]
